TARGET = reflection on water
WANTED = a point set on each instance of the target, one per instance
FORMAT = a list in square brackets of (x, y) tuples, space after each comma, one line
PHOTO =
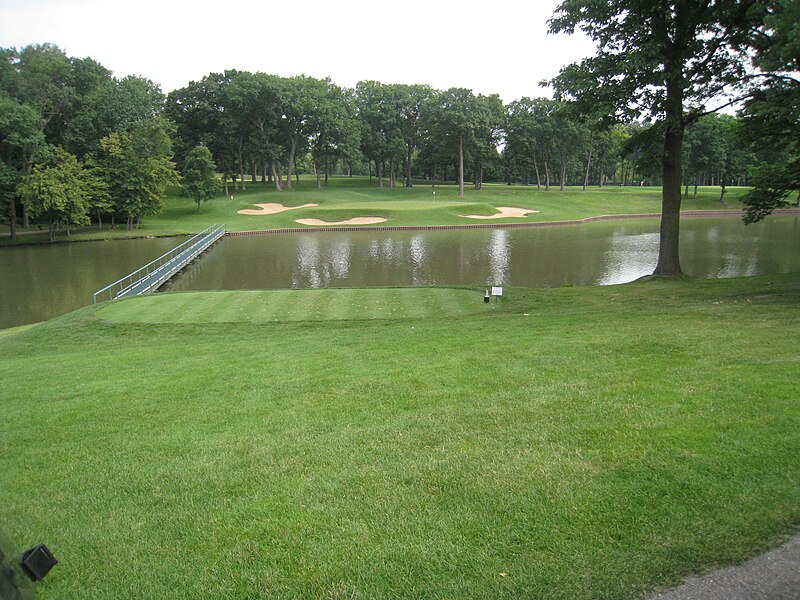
[(597, 253), (40, 282), (499, 257), (629, 257)]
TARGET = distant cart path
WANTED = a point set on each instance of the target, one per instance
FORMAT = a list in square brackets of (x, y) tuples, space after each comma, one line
[(774, 575)]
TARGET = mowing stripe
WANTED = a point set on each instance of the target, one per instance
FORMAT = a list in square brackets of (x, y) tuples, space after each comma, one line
[(264, 306)]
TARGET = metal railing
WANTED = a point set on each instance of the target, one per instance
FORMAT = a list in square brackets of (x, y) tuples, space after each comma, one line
[(155, 273)]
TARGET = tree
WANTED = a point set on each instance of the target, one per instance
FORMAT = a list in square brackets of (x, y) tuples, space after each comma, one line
[(772, 114), (380, 125), (299, 99), (61, 193), (116, 105), (457, 123), (136, 167), (332, 129), (199, 176), (21, 139), (664, 59), (410, 102)]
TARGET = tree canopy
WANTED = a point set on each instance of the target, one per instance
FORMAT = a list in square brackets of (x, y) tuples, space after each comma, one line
[(670, 61)]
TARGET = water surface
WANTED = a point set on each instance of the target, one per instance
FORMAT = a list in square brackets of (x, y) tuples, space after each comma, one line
[(41, 282)]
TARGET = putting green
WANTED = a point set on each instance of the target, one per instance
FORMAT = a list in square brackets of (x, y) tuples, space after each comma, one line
[(265, 306)]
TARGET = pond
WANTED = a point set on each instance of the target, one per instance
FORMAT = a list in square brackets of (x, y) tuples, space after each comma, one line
[(40, 282)]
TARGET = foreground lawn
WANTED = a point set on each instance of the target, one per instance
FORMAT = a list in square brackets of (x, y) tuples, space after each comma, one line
[(568, 443), (346, 198)]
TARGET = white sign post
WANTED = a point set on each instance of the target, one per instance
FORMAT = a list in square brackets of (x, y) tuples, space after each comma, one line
[(497, 291)]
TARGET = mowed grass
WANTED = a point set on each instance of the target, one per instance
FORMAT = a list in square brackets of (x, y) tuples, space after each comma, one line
[(264, 306), (571, 443), (345, 198)]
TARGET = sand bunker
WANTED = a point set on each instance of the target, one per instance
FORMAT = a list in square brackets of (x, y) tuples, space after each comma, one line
[(505, 211), (271, 208), (356, 221)]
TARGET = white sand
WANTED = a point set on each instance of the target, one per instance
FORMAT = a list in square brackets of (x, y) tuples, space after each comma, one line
[(271, 208), (505, 211), (356, 221)]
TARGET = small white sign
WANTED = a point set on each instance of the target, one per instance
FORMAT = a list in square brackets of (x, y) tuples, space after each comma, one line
[(497, 291)]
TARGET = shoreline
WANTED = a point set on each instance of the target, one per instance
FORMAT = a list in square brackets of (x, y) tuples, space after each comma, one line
[(787, 212), (784, 212)]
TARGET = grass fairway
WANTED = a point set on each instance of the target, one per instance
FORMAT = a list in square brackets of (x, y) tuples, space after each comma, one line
[(264, 306), (569, 443), (347, 198)]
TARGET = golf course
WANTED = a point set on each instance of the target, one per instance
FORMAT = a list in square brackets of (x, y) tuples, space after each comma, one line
[(422, 205), (564, 443)]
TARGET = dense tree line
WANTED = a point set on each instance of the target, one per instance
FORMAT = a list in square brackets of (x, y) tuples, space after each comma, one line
[(67, 124)]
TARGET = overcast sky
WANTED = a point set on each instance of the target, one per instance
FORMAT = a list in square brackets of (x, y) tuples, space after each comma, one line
[(489, 46)]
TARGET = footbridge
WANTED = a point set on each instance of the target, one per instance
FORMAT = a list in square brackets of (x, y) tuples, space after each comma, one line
[(154, 274)]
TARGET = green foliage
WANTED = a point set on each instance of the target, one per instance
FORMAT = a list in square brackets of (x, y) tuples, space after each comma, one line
[(137, 167), (772, 114), (114, 106), (61, 193), (199, 179)]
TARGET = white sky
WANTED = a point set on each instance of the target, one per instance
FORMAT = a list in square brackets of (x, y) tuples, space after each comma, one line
[(489, 46)]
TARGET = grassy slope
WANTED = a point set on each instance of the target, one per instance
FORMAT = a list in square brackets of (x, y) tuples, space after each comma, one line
[(610, 441), (345, 198)]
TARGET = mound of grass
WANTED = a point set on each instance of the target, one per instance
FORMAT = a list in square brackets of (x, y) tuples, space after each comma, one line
[(265, 306), (574, 443)]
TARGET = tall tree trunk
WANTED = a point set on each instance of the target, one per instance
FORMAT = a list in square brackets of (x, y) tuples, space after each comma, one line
[(327, 168), (379, 172), (241, 164), (668, 257), (722, 191), (408, 165), (276, 178), (99, 219), (546, 173), (317, 173), (12, 218), (25, 221), (253, 175), (264, 172), (588, 162), (563, 178), (391, 173), (292, 150), (52, 231), (461, 165), (536, 169), (225, 184)]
